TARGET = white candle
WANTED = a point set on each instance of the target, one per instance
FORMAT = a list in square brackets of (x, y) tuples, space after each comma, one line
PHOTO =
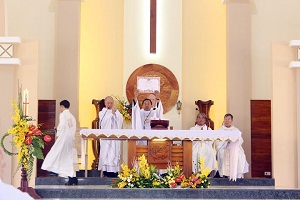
[(26, 102), (26, 96)]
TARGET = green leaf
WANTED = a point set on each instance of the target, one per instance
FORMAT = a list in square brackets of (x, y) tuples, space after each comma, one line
[(38, 153)]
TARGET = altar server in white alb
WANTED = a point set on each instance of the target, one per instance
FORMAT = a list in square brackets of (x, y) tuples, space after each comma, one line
[(203, 148), (223, 152), (110, 118), (61, 158)]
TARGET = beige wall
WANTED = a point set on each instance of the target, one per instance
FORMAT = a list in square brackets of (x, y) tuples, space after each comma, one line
[(35, 20), (203, 58), (284, 123), (7, 87), (2, 18), (239, 70), (66, 72), (101, 54), (272, 79), (272, 20)]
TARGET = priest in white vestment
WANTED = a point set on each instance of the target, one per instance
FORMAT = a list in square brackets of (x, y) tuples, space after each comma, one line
[(203, 148), (156, 104), (141, 118), (223, 152), (60, 158), (110, 150)]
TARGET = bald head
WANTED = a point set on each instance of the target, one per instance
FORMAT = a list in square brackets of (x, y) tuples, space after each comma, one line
[(109, 102), (152, 97)]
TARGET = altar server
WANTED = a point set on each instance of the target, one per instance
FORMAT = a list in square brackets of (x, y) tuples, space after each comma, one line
[(110, 118), (223, 152), (203, 148), (61, 157)]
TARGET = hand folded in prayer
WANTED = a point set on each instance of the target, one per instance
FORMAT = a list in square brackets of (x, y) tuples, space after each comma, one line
[(113, 109)]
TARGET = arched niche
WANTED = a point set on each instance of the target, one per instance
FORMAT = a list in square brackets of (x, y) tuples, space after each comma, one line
[(169, 88)]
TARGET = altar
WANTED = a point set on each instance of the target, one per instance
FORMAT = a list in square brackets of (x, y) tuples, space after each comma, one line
[(181, 154)]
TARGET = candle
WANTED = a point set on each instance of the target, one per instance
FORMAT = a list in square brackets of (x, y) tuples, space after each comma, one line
[(26, 102), (26, 96)]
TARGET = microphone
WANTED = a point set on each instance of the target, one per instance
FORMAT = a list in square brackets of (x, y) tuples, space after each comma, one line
[(103, 117)]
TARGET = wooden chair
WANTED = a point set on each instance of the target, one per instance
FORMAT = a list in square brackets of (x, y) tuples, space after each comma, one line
[(204, 107)]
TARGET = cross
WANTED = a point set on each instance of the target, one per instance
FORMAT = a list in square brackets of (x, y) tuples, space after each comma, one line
[(152, 26)]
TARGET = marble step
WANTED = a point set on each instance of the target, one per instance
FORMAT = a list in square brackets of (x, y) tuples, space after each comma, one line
[(214, 192), (109, 181)]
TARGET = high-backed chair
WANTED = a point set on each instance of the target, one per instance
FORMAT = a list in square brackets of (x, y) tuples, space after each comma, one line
[(99, 105), (204, 107)]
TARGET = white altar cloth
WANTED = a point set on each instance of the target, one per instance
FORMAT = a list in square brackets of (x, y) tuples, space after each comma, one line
[(127, 134), (163, 134)]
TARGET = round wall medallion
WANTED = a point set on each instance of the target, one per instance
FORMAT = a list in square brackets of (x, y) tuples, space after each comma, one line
[(169, 88)]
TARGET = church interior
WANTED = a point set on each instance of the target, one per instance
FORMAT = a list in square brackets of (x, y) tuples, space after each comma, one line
[(241, 54)]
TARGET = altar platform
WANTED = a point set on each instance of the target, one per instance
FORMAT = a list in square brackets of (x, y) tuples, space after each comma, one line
[(221, 188)]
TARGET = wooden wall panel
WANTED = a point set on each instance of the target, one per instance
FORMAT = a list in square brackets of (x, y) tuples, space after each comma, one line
[(46, 117), (261, 157)]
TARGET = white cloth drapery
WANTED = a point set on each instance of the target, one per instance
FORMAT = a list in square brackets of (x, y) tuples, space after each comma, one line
[(232, 136)]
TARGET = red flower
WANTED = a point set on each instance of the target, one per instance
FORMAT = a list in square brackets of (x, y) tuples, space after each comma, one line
[(177, 180), (47, 138), (37, 132), (31, 127), (173, 184), (28, 135), (28, 140), (181, 176)]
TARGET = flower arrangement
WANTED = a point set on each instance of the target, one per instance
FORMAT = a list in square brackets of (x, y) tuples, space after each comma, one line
[(143, 175), (28, 138), (200, 178), (124, 108), (174, 176)]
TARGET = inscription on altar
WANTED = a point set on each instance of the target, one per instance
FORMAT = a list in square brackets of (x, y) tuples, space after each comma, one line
[(159, 152)]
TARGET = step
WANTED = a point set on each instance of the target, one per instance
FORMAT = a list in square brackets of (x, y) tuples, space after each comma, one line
[(214, 192), (81, 181), (109, 181)]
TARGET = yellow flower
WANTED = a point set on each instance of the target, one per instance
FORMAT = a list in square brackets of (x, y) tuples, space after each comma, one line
[(122, 184)]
